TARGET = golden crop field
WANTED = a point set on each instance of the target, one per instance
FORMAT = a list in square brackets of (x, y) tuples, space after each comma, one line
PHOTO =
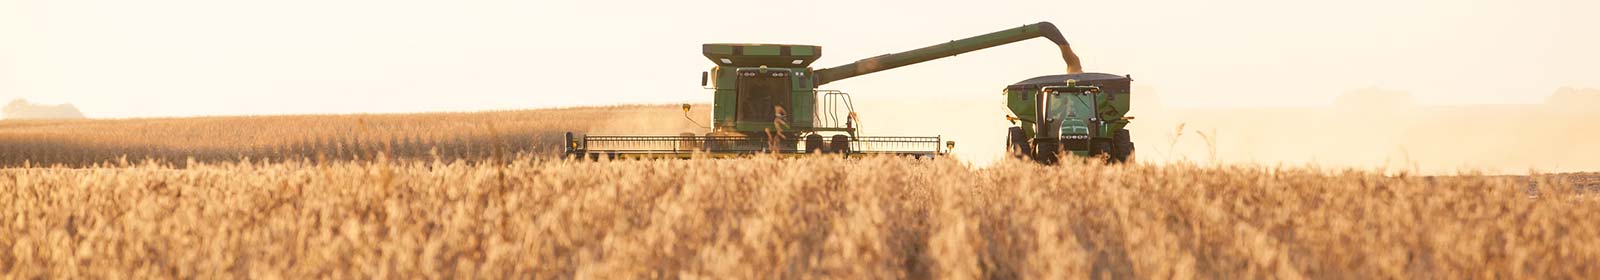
[(450, 136), (772, 218), (416, 196)]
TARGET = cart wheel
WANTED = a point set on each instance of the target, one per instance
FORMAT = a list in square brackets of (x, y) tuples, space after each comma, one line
[(1016, 144), (814, 144), (1122, 147), (840, 144)]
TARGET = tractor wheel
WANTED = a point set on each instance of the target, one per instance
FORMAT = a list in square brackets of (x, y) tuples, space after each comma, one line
[(840, 144), (813, 143), (1046, 151), (1102, 149), (1017, 143), (1122, 147)]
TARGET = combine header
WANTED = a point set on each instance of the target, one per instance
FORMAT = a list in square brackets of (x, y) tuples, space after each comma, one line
[(766, 100)]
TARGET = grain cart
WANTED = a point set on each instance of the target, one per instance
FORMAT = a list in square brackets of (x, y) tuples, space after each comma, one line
[(1081, 114), (766, 99)]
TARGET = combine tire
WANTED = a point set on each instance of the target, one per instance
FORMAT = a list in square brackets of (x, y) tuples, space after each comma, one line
[(688, 144), (1121, 147), (814, 144), (716, 145), (1017, 143), (840, 144)]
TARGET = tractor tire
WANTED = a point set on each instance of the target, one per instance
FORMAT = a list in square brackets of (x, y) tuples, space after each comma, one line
[(1017, 143), (1122, 147), (1099, 148), (814, 144), (840, 144), (1046, 151)]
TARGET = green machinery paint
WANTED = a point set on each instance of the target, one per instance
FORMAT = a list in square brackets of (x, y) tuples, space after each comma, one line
[(766, 100), (1082, 114)]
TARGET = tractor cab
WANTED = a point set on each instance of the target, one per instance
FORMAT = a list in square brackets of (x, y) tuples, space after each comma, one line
[(1069, 112)]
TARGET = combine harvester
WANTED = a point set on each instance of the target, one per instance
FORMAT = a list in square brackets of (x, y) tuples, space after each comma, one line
[(766, 100)]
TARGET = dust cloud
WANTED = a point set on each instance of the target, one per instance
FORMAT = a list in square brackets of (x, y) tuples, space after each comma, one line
[(20, 109), (1366, 128), (652, 120)]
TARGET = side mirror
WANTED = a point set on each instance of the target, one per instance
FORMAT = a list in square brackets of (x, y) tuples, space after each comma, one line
[(949, 145), (704, 77), (685, 108)]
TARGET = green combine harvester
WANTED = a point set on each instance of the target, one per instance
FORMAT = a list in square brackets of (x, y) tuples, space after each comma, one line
[(766, 101)]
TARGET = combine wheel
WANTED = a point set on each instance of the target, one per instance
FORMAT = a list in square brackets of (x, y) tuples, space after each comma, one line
[(814, 144), (839, 144), (711, 145), (688, 144), (1017, 143)]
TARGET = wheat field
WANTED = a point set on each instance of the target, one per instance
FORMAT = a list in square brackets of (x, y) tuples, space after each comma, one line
[(236, 204), (775, 218), (450, 136)]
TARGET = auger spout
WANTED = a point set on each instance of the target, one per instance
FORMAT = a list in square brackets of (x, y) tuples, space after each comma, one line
[(895, 60)]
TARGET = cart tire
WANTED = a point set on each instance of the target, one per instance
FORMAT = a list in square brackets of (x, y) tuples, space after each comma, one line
[(840, 144)]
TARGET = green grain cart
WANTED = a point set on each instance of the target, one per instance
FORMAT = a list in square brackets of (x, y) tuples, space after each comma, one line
[(766, 100), (1081, 114)]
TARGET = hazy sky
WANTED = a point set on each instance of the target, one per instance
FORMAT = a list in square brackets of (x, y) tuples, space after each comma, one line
[(177, 58)]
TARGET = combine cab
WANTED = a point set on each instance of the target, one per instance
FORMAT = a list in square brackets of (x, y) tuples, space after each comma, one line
[(766, 100)]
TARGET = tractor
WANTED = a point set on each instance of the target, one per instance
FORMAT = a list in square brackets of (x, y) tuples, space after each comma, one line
[(1081, 114)]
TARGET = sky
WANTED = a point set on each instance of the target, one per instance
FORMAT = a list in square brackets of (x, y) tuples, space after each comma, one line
[(176, 58), (159, 58)]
